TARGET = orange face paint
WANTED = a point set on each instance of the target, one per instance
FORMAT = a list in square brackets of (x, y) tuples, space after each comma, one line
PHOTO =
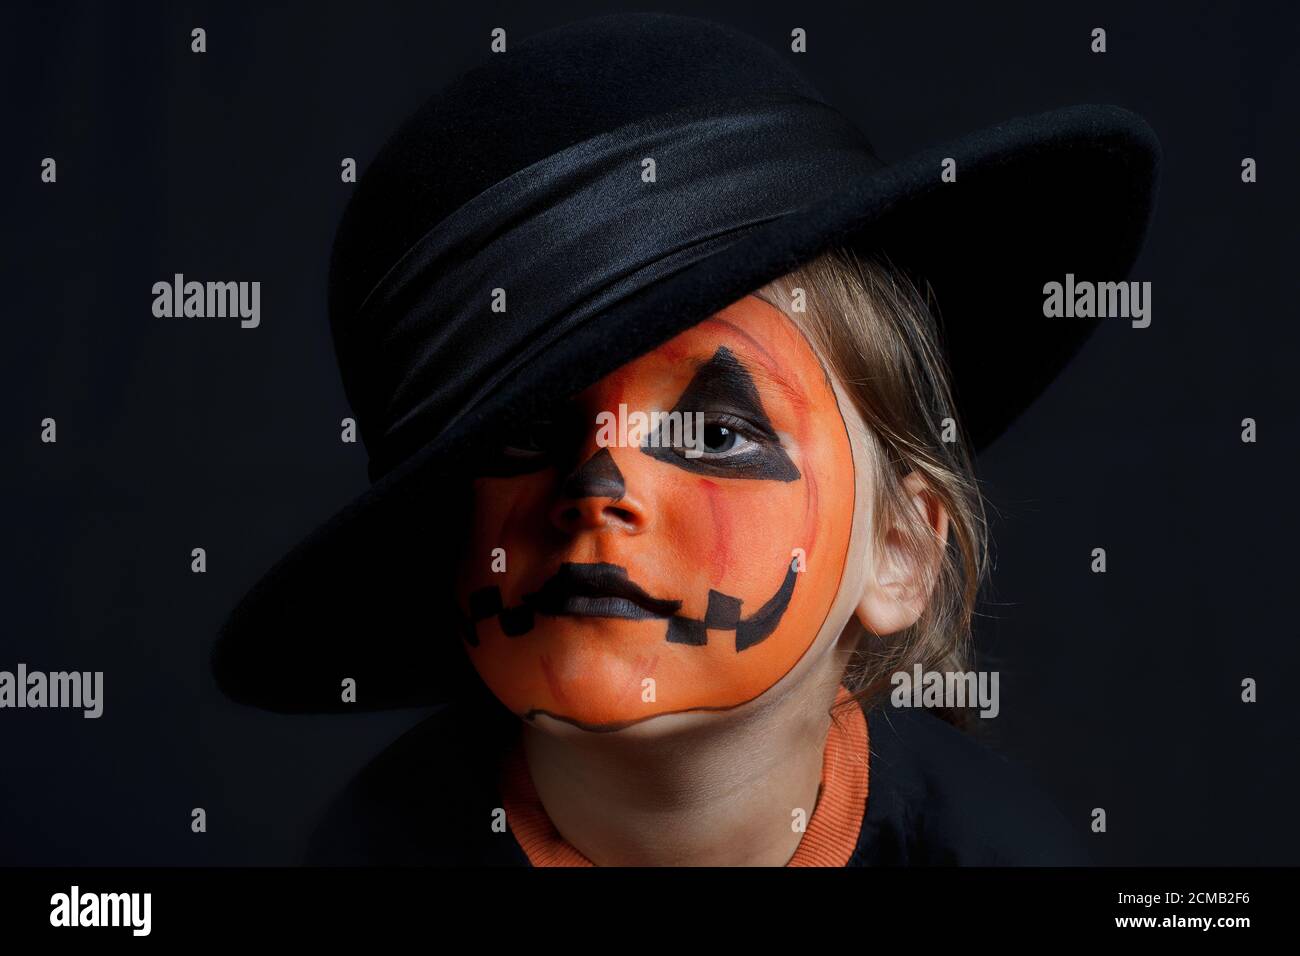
[(639, 580)]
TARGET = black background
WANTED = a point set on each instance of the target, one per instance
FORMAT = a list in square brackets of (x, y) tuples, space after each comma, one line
[(1119, 691)]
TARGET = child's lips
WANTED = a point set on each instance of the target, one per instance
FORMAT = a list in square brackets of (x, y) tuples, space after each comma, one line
[(581, 605), (597, 590)]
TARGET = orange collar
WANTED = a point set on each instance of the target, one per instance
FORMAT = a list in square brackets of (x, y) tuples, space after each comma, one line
[(830, 839)]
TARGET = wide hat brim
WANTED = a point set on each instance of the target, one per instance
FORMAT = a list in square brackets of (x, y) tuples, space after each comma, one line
[(365, 595)]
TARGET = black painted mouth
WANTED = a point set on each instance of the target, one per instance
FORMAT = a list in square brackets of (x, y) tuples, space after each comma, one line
[(597, 590)]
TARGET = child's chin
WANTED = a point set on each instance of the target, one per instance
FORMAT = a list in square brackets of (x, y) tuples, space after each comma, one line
[(607, 674), (603, 684), (618, 722)]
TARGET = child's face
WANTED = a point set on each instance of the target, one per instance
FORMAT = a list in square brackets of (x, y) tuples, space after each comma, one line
[(735, 556)]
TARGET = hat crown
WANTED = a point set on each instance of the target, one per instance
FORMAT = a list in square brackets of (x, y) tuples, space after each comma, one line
[(544, 94)]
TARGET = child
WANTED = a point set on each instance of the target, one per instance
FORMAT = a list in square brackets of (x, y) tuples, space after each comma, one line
[(688, 644), (644, 650)]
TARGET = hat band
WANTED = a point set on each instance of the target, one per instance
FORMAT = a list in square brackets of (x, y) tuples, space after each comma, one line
[(539, 253)]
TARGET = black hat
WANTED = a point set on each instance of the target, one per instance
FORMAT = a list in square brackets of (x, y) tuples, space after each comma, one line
[(610, 183)]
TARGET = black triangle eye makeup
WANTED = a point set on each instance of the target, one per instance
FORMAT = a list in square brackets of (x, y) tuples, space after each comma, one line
[(723, 394)]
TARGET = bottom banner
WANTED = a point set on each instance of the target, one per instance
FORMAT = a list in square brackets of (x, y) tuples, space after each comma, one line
[(328, 904)]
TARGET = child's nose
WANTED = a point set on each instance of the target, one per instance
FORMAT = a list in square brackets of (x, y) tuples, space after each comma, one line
[(595, 495)]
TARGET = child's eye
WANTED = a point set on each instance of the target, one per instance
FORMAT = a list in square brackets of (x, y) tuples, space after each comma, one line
[(532, 440), (528, 447), (724, 436), (726, 446)]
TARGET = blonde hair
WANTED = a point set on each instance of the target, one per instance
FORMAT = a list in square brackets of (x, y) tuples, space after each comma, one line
[(875, 331)]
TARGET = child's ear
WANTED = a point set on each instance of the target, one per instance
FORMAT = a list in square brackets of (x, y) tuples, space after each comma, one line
[(901, 584)]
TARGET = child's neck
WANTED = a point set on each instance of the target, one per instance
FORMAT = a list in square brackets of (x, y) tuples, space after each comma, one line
[(722, 792)]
